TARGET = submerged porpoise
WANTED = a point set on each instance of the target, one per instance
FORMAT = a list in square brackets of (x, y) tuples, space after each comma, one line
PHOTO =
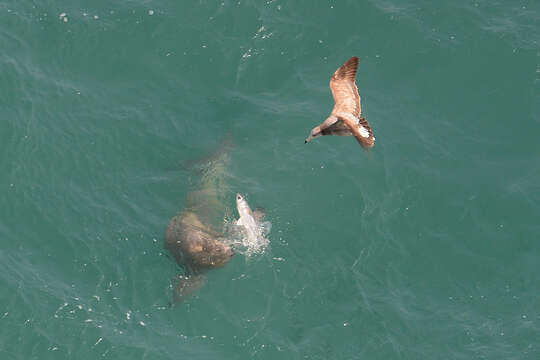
[(194, 237), (345, 118)]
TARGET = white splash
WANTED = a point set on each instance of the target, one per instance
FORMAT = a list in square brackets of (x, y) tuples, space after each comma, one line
[(247, 234)]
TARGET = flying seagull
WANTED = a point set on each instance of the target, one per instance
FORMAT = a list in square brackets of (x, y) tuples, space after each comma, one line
[(345, 120)]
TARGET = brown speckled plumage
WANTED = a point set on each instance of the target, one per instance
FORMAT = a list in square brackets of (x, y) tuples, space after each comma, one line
[(345, 118)]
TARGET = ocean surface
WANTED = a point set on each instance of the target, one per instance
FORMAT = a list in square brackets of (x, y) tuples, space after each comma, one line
[(425, 247)]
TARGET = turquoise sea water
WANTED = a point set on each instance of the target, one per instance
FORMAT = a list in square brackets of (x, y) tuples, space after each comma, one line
[(425, 247)]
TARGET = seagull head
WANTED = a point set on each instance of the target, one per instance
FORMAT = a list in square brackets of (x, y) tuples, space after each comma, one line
[(316, 131)]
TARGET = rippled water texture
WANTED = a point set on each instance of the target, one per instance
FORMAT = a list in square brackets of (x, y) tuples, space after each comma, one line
[(425, 247)]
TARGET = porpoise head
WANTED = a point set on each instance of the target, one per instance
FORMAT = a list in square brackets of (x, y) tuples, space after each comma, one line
[(218, 253)]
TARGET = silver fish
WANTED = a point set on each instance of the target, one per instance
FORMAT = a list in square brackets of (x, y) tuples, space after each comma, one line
[(253, 227)]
